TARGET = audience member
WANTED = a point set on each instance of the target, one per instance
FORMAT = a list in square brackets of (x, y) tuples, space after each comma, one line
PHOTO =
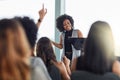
[(42, 14), (99, 57), (38, 69), (14, 51), (45, 51)]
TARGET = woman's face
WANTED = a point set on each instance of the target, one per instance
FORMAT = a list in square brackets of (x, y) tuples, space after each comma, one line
[(67, 25)]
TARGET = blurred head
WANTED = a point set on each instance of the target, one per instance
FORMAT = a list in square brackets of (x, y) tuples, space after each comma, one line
[(30, 29), (45, 51), (14, 51), (99, 47), (64, 22)]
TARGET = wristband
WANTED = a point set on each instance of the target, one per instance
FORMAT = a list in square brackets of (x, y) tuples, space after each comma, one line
[(39, 20)]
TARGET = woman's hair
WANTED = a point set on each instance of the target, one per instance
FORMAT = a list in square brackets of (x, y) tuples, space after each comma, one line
[(45, 51), (60, 20), (99, 48), (14, 51)]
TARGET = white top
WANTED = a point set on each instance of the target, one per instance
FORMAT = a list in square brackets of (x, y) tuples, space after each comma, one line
[(76, 53)]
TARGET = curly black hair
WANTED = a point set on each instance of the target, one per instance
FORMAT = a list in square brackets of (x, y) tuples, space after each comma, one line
[(30, 29), (60, 19)]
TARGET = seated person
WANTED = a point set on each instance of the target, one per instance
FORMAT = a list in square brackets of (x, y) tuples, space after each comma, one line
[(38, 68), (56, 69), (99, 57), (14, 51)]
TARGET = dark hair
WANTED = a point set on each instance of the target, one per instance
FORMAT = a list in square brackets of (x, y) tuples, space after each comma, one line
[(45, 51), (99, 48), (60, 20), (30, 29)]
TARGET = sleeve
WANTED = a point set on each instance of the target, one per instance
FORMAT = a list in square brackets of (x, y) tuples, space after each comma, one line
[(39, 71)]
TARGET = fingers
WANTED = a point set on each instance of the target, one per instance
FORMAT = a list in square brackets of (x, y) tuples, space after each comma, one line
[(43, 6), (45, 11), (42, 12), (64, 58)]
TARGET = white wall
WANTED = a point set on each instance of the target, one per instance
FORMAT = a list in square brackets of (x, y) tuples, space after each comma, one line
[(11, 8)]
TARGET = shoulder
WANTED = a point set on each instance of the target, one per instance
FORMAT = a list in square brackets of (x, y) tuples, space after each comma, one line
[(79, 33), (116, 64), (116, 67), (54, 69), (62, 35), (37, 62), (77, 30), (38, 69), (55, 73)]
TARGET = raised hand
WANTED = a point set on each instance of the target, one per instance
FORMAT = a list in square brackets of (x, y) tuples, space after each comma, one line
[(42, 12)]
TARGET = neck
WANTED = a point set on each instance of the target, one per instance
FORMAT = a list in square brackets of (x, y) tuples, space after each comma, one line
[(32, 52)]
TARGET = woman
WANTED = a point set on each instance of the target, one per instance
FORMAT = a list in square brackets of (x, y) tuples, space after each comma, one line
[(14, 51), (65, 24), (38, 69), (56, 69), (99, 57)]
